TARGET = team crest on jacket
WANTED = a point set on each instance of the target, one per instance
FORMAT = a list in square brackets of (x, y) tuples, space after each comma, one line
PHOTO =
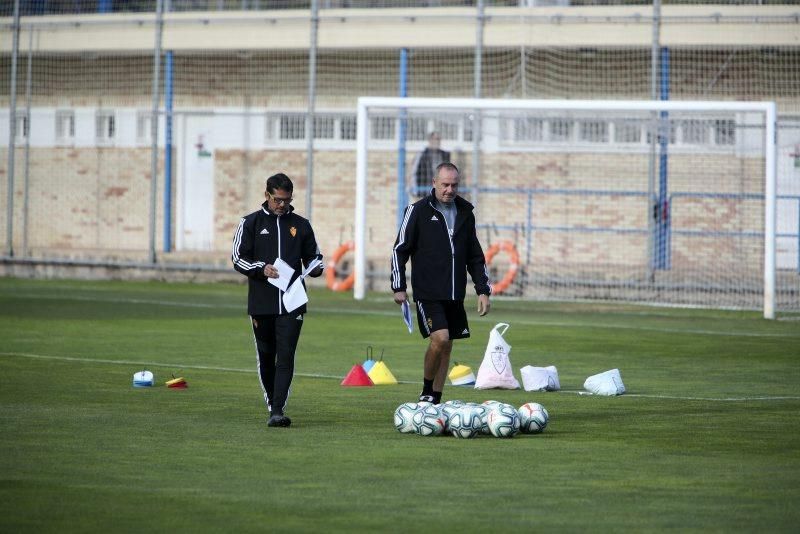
[(293, 231)]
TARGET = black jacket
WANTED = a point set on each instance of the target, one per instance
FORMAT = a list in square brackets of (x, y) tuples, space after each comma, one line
[(260, 239), (439, 263), (424, 169)]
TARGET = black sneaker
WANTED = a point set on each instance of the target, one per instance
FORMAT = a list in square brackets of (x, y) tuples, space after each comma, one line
[(426, 398), (279, 420)]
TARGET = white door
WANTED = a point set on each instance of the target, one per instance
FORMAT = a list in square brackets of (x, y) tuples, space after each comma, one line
[(195, 195)]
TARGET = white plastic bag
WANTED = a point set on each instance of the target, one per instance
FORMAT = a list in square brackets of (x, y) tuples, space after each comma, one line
[(540, 378), (495, 370), (607, 383)]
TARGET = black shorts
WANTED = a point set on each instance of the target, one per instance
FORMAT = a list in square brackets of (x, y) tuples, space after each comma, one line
[(433, 315)]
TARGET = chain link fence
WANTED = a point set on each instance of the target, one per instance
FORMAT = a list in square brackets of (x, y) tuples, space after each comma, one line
[(84, 191)]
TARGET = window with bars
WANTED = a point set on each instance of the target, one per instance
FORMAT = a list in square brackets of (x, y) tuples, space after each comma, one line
[(416, 129), (105, 128), (324, 127), (65, 127), (724, 132), (521, 131), (528, 129), (347, 128), (23, 127), (447, 128), (144, 124), (593, 131), (694, 132), (561, 130), (627, 131), (292, 126), (382, 128)]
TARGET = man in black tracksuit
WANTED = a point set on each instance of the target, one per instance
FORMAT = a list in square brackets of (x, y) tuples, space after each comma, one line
[(262, 237), (438, 234)]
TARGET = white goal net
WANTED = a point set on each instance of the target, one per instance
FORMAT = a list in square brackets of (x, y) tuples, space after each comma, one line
[(643, 201)]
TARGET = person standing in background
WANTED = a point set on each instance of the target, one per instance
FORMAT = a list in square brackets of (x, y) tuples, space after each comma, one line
[(426, 162)]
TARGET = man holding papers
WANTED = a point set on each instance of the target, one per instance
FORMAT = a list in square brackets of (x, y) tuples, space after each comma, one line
[(271, 247), (438, 234)]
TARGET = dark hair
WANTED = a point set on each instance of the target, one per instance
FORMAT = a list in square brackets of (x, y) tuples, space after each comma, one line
[(446, 165), (279, 181)]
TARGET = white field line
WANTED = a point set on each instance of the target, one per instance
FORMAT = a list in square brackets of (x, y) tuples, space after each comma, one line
[(388, 313), (178, 366), (138, 364)]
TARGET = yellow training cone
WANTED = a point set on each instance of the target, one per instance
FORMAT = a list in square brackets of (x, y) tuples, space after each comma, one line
[(381, 375), (461, 375)]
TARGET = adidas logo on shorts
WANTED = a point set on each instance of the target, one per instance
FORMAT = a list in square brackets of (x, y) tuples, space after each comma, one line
[(466, 331)]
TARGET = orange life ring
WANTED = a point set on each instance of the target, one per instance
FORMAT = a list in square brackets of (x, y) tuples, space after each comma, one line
[(508, 247), (330, 272)]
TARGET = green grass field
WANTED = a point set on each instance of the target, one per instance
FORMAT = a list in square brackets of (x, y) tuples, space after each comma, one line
[(706, 439)]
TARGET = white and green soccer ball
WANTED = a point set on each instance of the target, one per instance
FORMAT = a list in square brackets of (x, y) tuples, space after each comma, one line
[(465, 422), (403, 417), (484, 410), (448, 409), (533, 418), (503, 421), (428, 421)]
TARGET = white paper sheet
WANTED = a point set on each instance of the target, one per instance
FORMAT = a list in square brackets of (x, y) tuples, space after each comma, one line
[(285, 273), (296, 295), (406, 309), (316, 262)]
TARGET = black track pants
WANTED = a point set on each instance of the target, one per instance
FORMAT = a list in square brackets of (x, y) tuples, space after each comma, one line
[(276, 341)]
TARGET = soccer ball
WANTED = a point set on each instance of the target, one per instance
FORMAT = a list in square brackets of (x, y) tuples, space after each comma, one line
[(403, 417), (428, 421), (503, 421), (533, 418), (484, 410), (448, 409), (465, 422)]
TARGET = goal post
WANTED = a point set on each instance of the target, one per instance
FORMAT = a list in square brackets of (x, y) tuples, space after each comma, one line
[(642, 201)]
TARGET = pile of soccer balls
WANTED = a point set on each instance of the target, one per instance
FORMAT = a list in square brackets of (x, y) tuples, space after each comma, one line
[(469, 419)]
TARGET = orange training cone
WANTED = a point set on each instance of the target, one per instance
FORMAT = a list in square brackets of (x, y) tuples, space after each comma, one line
[(177, 383), (357, 377)]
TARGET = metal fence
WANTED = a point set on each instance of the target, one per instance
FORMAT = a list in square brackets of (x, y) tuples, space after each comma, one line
[(139, 138), (62, 7)]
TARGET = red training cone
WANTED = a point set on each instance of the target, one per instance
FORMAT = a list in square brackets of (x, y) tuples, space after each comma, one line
[(357, 377)]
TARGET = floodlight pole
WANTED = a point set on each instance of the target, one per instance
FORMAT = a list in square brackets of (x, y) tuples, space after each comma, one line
[(312, 97), (154, 126), (27, 174), (12, 132), (477, 123), (655, 48)]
